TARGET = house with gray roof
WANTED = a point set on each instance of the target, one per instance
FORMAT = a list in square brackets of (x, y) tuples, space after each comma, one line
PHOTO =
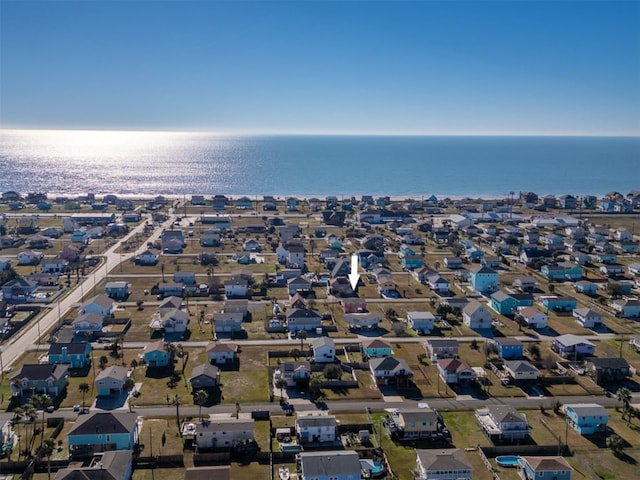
[(223, 433), (104, 431), (204, 376), (476, 315), (111, 380), (334, 465), (503, 423), (441, 348), (314, 428), (303, 319), (390, 371), (324, 350), (42, 378), (110, 465), (415, 423), (544, 468), (443, 464), (587, 418)]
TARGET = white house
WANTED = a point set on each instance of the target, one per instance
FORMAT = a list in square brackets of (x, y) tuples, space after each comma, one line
[(587, 318), (100, 304), (533, 317), (236, 288), (223, 433), (455, 370), (521, 370), (29, 257), (421, 321), (324, 350), (443, 464), (476, 315), (314, 428), (222, 352)]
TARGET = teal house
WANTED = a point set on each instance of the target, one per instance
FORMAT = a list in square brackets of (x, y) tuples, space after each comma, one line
[(508, 303), (562, 271), (155, 355), (484, 280), (76, 355), (376, 348), (103, 431)]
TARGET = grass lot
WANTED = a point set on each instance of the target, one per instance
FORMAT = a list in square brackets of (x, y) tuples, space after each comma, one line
[(151, 437), (251, 382)]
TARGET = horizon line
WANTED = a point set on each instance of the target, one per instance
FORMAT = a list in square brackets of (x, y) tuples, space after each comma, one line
[(323, 133)]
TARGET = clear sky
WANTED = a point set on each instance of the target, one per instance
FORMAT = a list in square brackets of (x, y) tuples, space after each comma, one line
[(420, 67)]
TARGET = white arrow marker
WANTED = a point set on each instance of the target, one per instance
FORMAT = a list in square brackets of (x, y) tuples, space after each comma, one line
[(354, 276)]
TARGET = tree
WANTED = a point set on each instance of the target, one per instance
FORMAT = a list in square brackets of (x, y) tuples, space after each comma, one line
[(17, 417), (84, 388), (624, 397), (42, 401), (443, 311), (302, 335), (281, 383), (30, 416), (332, 372), (295, 353), (520, 321), (162, 270), (534, 351), (46, 449), (552, 287), (615, 443), (315, 386), (139, 304), (200, 398)]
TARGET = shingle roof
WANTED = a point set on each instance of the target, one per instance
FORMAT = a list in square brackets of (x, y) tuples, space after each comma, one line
[(542, 464), (444, 459), (104, 422), (322, 464)]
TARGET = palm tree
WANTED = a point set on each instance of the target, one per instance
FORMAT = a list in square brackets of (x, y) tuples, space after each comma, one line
[(281, 383), (46, 450), (84, 388), (615, 443), (200, 398), (42, 401), (30, 415), (302, 335), (624, 396), (17, 416), (16, 387)]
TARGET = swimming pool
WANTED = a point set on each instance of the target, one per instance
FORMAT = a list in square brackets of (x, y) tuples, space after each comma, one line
[(508, 460)]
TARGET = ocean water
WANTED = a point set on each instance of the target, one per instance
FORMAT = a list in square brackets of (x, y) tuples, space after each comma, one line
[(146, 163)]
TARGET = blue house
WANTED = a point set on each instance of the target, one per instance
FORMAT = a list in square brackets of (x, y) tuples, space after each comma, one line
[(509, 347), (76, 355), (544, 468), (411, 262), (587, 418), (508, 303), (559, 304), (484, 280), (101, 431), (329, 465), (588, 288), (155, 355)]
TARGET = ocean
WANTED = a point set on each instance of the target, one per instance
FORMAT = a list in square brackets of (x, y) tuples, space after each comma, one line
[(150, 163)]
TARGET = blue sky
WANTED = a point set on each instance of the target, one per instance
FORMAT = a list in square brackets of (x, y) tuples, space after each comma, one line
[(420, 67)]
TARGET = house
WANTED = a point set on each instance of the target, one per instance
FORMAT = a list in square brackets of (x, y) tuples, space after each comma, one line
[(236, 288), (298, 285), (390, 371), (29, 257), (204, 376), (324, 350), (294, 373), (442, 464), (210, 238), (354, 305), (367, 320), (476, 315), (484, 279), (572, 346), (438, 283), (544, 468), (104, 431), (227, 322), (453, 263), (561, 272), (170, 320), (221, 353), (156, 355), (117, 290), (43, 378), (19, 290), (455, 370), (588, 318), (508, 347), (314, 428), (376, 347), (100, 305), (53, 265), (303, 319), (111, 380), (147, 258), (605, 370), (533, 318), (588, 288), (507, 304), (333, 465), (170, 289), (416, 423), (340, 287), (441, 348), (421, 322), (611, 270), (520, 370), (110, 465), (503, 423), (88, 323), (76, 355), (626, 308), (587, 418), (559, 304), (292, 255)]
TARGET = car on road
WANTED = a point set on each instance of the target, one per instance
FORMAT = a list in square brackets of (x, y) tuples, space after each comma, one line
[(76, 408)]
